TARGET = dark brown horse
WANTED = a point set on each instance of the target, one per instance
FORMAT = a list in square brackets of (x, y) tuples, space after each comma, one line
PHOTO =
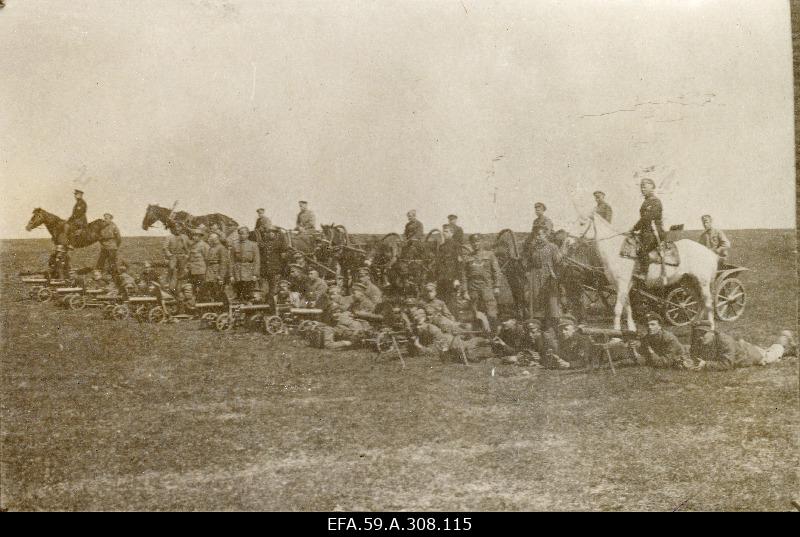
[(55, 226), (181, 219)]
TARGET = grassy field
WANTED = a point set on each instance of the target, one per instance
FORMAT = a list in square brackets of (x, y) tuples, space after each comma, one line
[(98, 414)]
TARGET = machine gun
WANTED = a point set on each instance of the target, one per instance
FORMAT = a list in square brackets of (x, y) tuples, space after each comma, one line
[(602, 338)]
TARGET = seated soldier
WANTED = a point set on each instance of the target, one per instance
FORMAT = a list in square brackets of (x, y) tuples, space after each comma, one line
[(712, 350), (661, 349), (574, 349), (360, 301), (372, 291), (186, 296), (438, 312), (297, 278), (346, 329), (285, 297), (465, 312), (524, 344), (126, 281), (314, 288), (430, 340)]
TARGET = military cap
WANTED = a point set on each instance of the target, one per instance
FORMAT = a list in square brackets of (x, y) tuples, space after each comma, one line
[(359, 285), (363, 270), (475, 237), (412, 212), (535, 322), (567, 320), (243, 228), (409, 301), (648, 180), (187, 287), (61, 248), (76, 191), (296, 266), (304, 202), (284, 282), (703, 326), (653, 316), (260, 210), (109, 215), (452, 217), (298, 254), (705, 217), (540, 204), (430, 286), (596, 192)]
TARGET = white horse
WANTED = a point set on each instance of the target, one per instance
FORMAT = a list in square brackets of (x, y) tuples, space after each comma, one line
[(696, 261)]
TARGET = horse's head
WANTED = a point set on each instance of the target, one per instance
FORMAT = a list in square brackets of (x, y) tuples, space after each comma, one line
[(151, 216), (37, 219)]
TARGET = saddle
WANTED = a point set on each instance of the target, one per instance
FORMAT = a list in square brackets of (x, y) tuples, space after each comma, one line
[(631, 244)]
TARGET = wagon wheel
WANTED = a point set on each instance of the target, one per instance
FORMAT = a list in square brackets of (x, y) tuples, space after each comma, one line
[(223, 322), (157, 315), (383, 342), (76, 302), (33, 292), (682, 306), (506, 250), (729, 300), (273, 325), (120, 312), (433, 240), (255, 321), (208, 319), (44, 294), (394, 241), (108, 311)]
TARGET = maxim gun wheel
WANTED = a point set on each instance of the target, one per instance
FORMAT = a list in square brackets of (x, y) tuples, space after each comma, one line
[(157, 315), (44, 294), (76, 302), (729, 300), (273, 325), (208, 319), (223, 322), (120, 312)]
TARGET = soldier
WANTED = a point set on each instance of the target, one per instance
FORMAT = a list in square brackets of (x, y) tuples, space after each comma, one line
[(650, 216), (524, 343), (176, 250), (712, 350), (447, 267), (414, 229), (217, 267), (272, 252), (661, 348), (437, 311), (285, 296), (314, 288), (109, 243), (306, 221), (125, 280), (263, 223), (345, 331), (299, 259), (541, 220), (372, 291), (214, 228), (482, 278), (602, 208), (77, 220), (715, 239), (543, 263), (297, 278), (574, 349), (196, 262), (361, 302), (245, 264), (430, 340), (59, 263), (455, 229)]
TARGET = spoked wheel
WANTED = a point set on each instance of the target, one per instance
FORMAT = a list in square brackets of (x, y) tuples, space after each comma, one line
[(255, 321), (33, 292), (223, 322), (44, 294), (682, 306), (208, 319), (730, 299), (383, 342), (140, 313), (108, 311), (76, 302), (120, 312), (157, 315), (307, 326), (273, 325)]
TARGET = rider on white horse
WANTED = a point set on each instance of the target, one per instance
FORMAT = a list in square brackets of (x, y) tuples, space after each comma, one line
[(650, 219)]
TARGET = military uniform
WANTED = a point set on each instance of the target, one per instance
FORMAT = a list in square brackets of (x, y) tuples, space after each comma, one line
[(272, 250), (196, 264), (263, 224), (481, 274), (110, 240), (650, 212), (346, 328), (176, 250), (663, 350), (414, 231), (217, 264), (373, 292), (542, 222), (458, 233), (604, 210), (245, 267), (314, 289), (77, 220), (448, 269), (439, 315), (544, 262), (717, 241), (577, 350), (723, 353), (306, 221), (450, 347)]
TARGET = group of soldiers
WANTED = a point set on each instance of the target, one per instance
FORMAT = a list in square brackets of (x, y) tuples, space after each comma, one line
[(258, 266)]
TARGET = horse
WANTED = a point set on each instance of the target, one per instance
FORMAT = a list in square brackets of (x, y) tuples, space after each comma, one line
[(697, 263), (172, 220), (55, 226)]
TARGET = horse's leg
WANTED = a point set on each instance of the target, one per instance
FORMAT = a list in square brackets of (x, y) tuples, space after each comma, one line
[(705, 290), (622, 304)]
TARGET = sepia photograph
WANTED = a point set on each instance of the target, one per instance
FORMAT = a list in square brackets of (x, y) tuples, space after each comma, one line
[(423, 258)]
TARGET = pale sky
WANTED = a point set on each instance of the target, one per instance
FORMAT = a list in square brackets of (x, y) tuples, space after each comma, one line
[(368, 109)]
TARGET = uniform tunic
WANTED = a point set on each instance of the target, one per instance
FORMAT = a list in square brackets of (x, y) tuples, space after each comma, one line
[(373, 293), (414, 230), (650, 212), (217, 263), (110, 238), (314, 289), (543, 263), (78, 216), (663, 350), (458, 233), (196, 262), (717, 241), (577, 350), (306, 220), (542, 221), (245, 261), (722, 354), (482, 276), (604, 209)]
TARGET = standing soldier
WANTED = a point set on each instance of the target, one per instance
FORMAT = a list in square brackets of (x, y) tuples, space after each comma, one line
[(263, 223), (482, 279), (306, 220), (245, 264), (109, 243), (715, 239), (458, 232), (448, 267), (217, 266), (59, 263), (602, 208), (541, 220), (650, 217), (176, 250), (414, 229), (543, 263), (196, 261), (77, 220), (272, 260)]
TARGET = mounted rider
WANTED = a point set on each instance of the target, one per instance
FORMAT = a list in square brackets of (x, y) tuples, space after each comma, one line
[(541, 219), (77, 220), (306, 220), (413, 229), (602, 208), (650, 222)]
